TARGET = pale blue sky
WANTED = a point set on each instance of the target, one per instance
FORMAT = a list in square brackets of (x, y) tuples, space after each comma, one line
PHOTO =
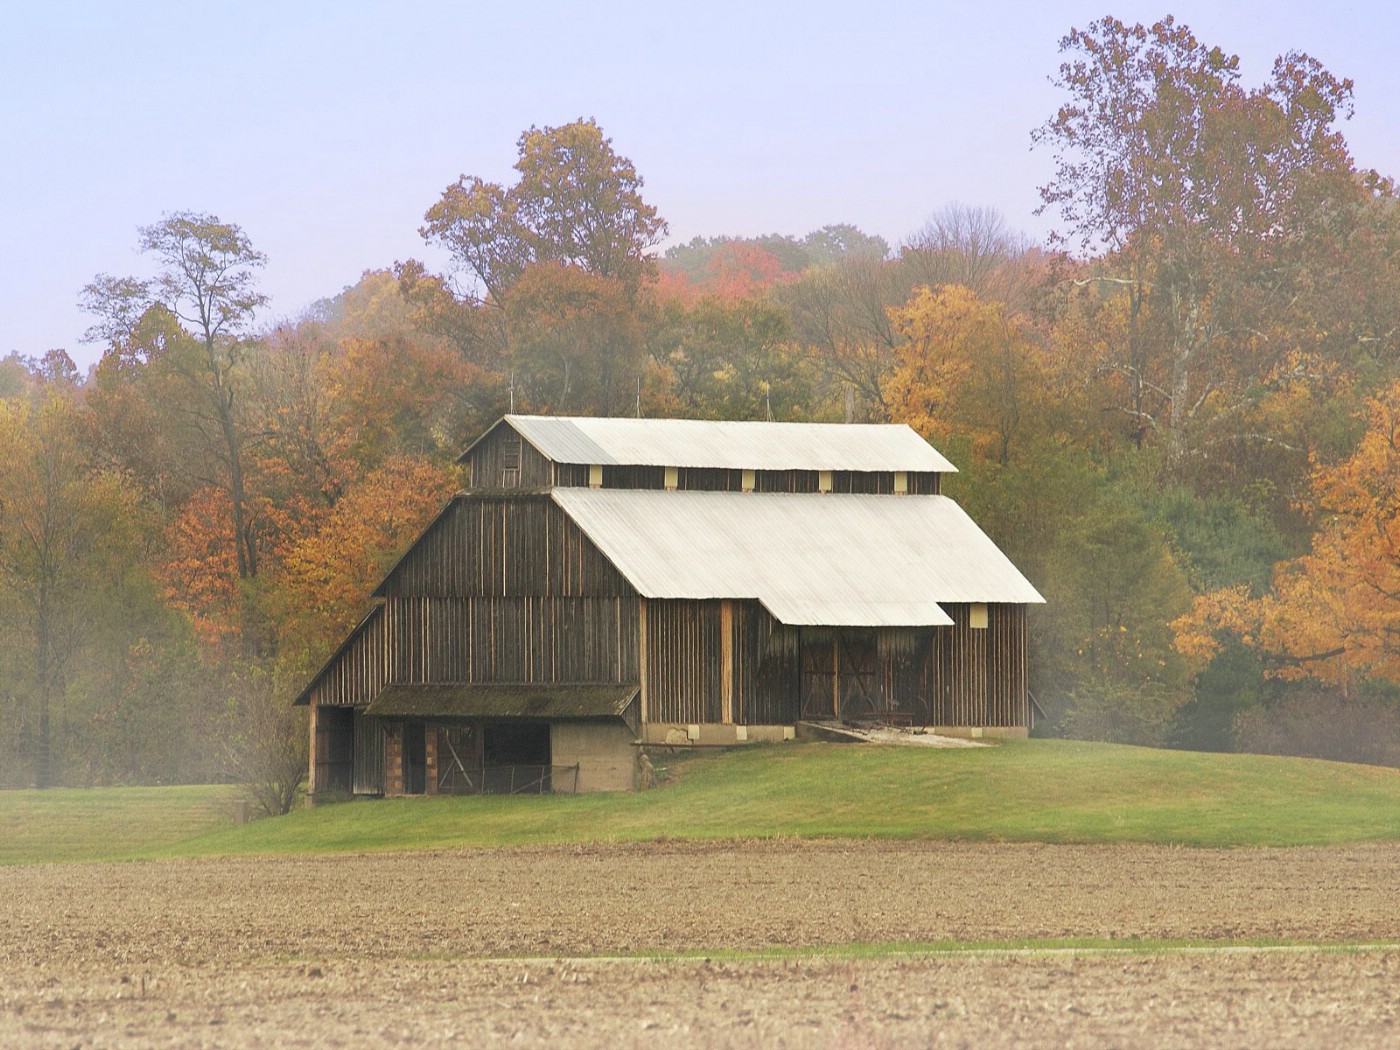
[(326, 129)]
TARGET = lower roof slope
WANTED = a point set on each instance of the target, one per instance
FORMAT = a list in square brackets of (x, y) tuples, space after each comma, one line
[(812, 559)]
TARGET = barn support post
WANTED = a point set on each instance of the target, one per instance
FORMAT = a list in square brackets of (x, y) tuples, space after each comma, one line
[(311, 786), (836, 674), (726, 660), (642, 657)]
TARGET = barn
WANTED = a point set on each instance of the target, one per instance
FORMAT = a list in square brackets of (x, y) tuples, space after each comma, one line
[(607, 585)]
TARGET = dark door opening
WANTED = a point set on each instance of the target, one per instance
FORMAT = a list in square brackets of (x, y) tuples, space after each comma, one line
[(335, 749), (516, 744), (415, 759), (516, 757)]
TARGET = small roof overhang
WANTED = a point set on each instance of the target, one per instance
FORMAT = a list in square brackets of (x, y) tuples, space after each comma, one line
[(503, 700)]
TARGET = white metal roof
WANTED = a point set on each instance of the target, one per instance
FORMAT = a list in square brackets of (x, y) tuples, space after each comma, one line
[(730, 445), (810, 558)]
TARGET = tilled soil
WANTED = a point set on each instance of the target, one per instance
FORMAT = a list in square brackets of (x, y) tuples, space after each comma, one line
[(466, 948)]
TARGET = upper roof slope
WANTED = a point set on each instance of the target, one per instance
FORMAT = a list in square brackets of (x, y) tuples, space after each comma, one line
[(812, 559), (727, 444)]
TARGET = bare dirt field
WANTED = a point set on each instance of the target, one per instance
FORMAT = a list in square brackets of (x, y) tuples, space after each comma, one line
[(521, 946)]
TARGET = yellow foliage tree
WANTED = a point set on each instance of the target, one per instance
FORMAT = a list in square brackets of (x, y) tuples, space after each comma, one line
[(963, 366)]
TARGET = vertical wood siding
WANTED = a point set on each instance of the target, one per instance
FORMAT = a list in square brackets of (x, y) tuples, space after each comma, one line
[(496, 546), (500, 589), (765, 666), (504, 460), (542, 640), (369, 755), (925, 483), (683, 661), (979, 675), (360, 670)]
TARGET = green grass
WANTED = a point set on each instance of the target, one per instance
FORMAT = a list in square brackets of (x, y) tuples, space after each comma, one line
[(866, 950), (66, 824), (1022, 791)]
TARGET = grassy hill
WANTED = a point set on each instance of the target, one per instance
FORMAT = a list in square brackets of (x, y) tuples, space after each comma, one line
[(1025, 791)]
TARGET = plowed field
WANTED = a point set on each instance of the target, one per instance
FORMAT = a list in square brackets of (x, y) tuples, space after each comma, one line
[(525, 946)]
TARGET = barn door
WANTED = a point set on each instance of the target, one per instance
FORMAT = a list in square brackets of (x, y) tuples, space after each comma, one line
[(859, 691), (817, 674)]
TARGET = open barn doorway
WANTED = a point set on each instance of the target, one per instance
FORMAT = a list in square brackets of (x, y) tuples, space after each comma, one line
[(516, 757), (415, 758)]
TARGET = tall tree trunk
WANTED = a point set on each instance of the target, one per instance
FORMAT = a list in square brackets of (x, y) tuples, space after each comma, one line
[(43, 679)]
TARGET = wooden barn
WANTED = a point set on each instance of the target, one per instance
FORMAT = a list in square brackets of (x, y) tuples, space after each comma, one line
[(607, 584)]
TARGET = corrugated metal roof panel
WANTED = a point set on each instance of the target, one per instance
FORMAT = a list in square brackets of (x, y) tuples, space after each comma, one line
[(730, 445), (811, 559)]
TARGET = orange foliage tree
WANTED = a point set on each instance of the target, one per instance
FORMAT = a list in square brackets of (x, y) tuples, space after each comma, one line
[(575, 342), (199, 574), (1334, 613), (325, 575)]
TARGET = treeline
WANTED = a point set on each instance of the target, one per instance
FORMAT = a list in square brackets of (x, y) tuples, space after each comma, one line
[(1179, 418)]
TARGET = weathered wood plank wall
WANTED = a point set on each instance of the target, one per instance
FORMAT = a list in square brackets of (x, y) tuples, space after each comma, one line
[(361, 669), (504, 460), (527, 639), (683, 661), (979, 674), (505, 546)]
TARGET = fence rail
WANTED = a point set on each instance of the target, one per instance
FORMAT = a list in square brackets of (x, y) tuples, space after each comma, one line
[(509, 780)]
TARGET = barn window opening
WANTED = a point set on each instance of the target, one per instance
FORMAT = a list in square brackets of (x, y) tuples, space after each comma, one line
[(977, 617), (510, 462)]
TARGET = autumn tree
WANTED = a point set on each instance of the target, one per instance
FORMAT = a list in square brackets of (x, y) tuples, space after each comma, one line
[(325, 576), (964, 367), (1210, 200), (67, 548), (733, 360), (188, 329), (575, 342), (577, 203), (1333, 614), (968, 246), (841, 315)]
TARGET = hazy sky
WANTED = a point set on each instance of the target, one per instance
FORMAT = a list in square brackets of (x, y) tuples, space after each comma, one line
[(326, 129)]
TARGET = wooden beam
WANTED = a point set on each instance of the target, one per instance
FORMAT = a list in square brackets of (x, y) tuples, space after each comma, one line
[(836, 673), (642, 656), (311, 772), (726, 660)]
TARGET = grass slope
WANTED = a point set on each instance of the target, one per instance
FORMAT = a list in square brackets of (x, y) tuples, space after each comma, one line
[(1024, 791), (64, 824)]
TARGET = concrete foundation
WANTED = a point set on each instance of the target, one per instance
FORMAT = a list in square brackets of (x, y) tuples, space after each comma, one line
[(605, 753), (713, 734)]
